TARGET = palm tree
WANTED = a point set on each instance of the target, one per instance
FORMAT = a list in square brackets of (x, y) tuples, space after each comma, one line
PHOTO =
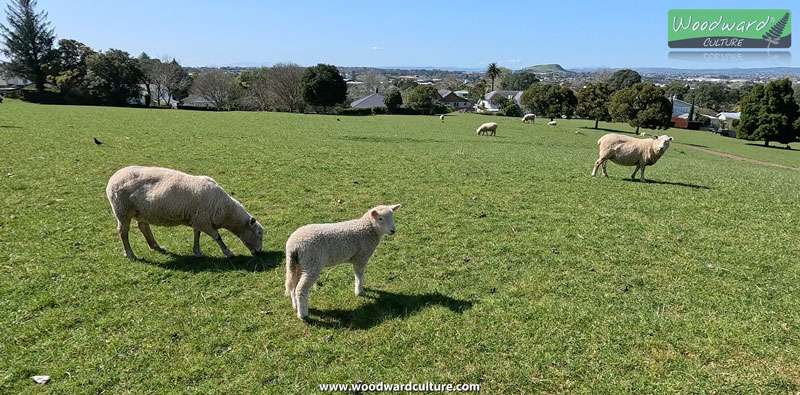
[(492, 72)]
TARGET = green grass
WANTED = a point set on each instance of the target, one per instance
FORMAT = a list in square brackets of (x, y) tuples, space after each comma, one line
[(452, 297)]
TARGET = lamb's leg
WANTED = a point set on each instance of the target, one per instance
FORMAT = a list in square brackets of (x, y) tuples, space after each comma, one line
[(144, 227), (307, 280), (218, 238), (196, 249), (633, 176), (358, 271), (123, 227)]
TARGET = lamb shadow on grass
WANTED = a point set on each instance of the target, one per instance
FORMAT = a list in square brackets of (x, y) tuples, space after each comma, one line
[(679, 184), (261, 262), (384, 306)]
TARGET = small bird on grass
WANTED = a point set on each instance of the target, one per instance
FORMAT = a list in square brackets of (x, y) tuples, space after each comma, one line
[(337, 119), (96, 141)]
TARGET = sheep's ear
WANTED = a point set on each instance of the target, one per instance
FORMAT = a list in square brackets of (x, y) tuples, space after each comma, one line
[(252, 221), (373, 213), (395, 207), (655, 137), (670, 139)]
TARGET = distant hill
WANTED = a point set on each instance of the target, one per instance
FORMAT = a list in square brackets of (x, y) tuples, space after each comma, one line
[(547, 68)]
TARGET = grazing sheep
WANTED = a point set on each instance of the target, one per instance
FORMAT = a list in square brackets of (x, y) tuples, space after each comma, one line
[(166, 197), (441, 117), (314, 247), (529, 117), (488, 127), (553, 123), (630, 151)]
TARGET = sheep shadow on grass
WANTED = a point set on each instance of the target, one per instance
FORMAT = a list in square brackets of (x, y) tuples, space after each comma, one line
[(679, 184), (382, 306), (261, 262)]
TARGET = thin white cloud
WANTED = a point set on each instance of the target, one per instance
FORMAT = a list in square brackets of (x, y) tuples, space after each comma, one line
[(376, 48)]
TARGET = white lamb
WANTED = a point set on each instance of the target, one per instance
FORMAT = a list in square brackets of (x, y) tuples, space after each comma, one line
[(166, 197), (441, 117), (314, 247), (553, 123), (630, 151), (529, 117), (488, 127)]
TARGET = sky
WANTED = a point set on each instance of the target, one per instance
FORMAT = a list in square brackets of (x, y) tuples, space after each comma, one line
[(466, 34)]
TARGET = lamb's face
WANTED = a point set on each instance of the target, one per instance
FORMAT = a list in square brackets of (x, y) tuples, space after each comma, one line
[(661, 143), (252, 235), (383, 218)]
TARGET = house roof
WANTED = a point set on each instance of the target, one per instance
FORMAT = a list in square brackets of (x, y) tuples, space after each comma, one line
[(451, 97), (373, 100), (513, 94), (444, 92), (680, 103), (729, 115)]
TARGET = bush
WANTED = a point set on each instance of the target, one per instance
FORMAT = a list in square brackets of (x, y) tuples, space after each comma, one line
[(408, 111), (440, 108), (380, 110), (512, 110)]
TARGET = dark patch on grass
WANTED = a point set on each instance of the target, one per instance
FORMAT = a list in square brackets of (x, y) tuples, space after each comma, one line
[(383, 306), (372, 139), (189, 263), (784, 148), (607, 130), (696, 145), (10, 127)]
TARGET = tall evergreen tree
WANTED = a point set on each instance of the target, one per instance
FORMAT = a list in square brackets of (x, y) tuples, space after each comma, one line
[(28, 40), (492, 72)]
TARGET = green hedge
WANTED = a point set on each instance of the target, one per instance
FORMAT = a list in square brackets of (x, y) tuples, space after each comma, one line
[(360, 111)]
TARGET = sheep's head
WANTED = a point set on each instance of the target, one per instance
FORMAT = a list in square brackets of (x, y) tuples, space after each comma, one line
[(661, 143), (251, 235), (382, 218)]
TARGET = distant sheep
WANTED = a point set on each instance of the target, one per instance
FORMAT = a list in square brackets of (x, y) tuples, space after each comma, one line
[(166, 197), (553, 123), (313, 247), (630, 151), (529, 117), (488, 127), (441, 117)]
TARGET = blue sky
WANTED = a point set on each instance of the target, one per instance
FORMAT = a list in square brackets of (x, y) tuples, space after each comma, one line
[(381, 33)]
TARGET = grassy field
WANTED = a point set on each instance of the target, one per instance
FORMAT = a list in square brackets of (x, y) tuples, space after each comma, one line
[(689, 283)]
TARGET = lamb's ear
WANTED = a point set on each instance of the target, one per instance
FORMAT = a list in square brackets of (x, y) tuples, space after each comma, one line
[(373, 213), (252, 221), (395, 207)]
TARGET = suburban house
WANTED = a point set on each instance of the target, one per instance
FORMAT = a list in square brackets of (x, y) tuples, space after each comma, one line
[(373, 100), (486, 105), (195, 101), (680, 107), (453, 100), (728, 116)]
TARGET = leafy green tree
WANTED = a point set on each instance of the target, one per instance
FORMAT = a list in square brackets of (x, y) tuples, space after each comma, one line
[(477, 92), (550, 100), (405, 83), (519, 81), (113, 77), (770, 113), (322, 85), (501, 102), (593, 102), (641, 105), (28, 40), (677, 89), (492, 72), (393, 100), (624, 78), (691, 112), (714, 95), (512, 110), (424, 98), (68, 69)]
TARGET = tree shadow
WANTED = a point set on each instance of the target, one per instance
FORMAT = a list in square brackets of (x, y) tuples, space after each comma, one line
[(695, 145), (384, 306), (10, 127), (261, 262), (606, 130), (374, 139), (678, 184), (774, 147)]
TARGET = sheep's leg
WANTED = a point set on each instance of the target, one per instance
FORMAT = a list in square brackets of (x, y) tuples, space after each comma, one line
[(597, 164), (123, 227), (605, 173), (358, 272), (642, 174), (307, 280), (633, 176), (144, 227), (218, 238), (196, 249)]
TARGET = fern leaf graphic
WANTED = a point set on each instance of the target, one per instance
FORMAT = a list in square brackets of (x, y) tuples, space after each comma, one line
[(773, 36)]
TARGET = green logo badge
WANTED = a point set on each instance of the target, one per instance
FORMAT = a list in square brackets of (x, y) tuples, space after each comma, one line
[(734, 29)]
